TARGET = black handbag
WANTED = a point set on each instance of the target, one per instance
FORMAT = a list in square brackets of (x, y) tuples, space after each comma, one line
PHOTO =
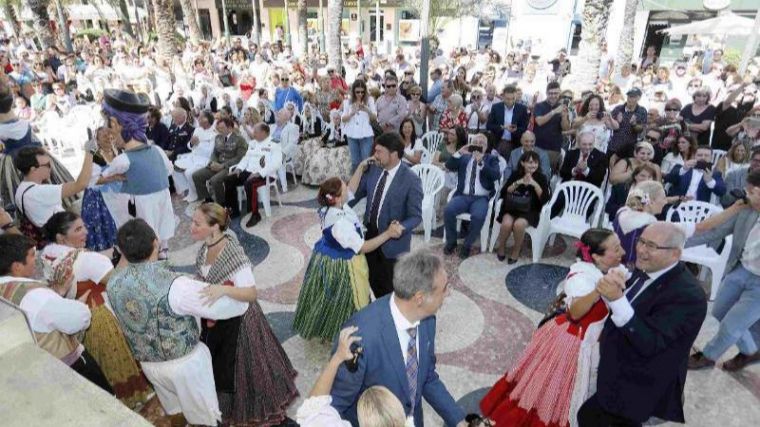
[(518, 202), (376, 128)]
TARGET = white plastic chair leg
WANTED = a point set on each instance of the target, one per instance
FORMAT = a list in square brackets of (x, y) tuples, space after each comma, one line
[(264, 198), (242, 198), (282, 174)]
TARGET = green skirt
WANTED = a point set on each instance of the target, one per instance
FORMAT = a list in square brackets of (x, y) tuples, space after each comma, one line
[(333, 289)]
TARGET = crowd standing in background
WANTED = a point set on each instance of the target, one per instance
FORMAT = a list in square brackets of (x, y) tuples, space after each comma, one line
[(223, 120)]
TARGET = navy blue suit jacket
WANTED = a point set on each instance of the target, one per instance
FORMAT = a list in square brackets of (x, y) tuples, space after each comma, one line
[(520, 118), (382, 363), (403, 203), (642, 367), (680, 184), (488, 175)]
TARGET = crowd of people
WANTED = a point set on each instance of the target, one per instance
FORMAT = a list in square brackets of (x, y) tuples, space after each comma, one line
[(613, 350)]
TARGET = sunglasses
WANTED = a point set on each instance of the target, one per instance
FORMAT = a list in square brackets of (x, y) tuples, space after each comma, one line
[(390, 86), (285, 79), (416, 94), (671, 109), (359, 92)]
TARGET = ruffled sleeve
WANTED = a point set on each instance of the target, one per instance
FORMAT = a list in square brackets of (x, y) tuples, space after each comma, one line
[(582, 279), (317, 412)]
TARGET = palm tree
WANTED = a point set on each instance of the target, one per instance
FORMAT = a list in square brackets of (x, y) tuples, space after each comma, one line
[(303, 35), (625, 48), (120, 6), (9, 8), (41, 22), (595, 16), (188, 12), (334, 45), (167, 44)]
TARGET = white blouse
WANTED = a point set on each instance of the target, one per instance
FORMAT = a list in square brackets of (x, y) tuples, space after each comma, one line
[(344, 222), (358, 126)]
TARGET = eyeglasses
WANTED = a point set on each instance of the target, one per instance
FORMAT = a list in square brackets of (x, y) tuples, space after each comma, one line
[(284, 79), (670, 110), (651, 246), (359, 92), (390, 86)]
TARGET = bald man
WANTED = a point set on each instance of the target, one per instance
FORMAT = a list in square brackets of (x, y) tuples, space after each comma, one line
[(528, 143), (655, 317)]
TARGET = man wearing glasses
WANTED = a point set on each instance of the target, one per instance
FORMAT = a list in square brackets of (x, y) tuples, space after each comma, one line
[(391, 107), (655, 317), (286, 93)]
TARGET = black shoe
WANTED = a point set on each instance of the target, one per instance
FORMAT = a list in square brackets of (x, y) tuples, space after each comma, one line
[(253, 220), (511, 261), (501, 258), (449, 249), (699, 361), (464, 252), (740, 361)]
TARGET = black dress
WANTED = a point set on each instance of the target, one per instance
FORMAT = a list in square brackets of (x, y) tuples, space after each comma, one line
[(703, 138), (536, 203)]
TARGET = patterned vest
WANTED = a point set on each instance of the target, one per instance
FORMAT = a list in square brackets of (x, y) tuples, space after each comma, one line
[(146, 173), (139, 295), (56, 343)]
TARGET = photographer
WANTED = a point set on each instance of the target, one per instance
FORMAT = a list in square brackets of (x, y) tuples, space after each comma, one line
[(551, 120), (696, 178), (477, 175), (737, 305)]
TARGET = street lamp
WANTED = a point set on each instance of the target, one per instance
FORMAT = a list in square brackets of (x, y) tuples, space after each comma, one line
[(425, 54)]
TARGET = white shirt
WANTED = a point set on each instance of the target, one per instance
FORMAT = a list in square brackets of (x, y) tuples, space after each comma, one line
[(358, 126), (206, 140), (185, 299), (402, 324), (412, 149), (696, 177), (92, 266), (507, 135), (269, 151), (473, 120), (40, 202), (344, 223), (479, 190), (388, 181), (47, 311), (622, 311)]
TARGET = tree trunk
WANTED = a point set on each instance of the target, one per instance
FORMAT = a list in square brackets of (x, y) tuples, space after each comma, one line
[(188, 13), (12, 16), (586, 68), (256, 26), (41, 22), (123, 13), (303, 34), (625, 46), (167, 43), (334, 45)]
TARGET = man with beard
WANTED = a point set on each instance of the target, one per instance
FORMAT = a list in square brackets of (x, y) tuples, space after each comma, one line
[(739, 101)]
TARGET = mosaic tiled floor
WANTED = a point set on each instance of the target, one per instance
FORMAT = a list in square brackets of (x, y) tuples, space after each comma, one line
[(498, 305)]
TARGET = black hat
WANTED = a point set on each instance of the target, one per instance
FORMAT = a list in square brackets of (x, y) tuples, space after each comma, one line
[(129, 102), (634, 92)]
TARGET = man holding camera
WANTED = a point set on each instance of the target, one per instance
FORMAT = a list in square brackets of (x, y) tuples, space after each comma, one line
[(551, 119), (696, 179), (477, 174), (737, 305)]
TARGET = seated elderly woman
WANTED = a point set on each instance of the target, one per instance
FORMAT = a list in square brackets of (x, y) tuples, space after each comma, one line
[(333, 135), (642, 154), (454, 115)]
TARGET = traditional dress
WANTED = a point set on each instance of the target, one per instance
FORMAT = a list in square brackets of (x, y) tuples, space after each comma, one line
[(16, 135), (336, 282), (101, 227), (628, 225), (557, 370), (254, 377), (103, 339)]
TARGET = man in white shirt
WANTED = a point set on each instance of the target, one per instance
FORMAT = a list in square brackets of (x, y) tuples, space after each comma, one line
[(148, 299), (477, 112), (35, 198), (285, 133), (53, 319), (201, 149)]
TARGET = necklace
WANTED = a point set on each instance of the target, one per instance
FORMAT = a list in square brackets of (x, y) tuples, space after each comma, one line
[(216, 243)]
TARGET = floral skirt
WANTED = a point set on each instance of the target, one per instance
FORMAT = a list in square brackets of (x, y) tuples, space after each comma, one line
[(316, 163), (101, 228), (333, 290), (107, 345)]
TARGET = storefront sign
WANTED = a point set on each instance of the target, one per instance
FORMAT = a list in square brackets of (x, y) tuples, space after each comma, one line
[(347, 4)]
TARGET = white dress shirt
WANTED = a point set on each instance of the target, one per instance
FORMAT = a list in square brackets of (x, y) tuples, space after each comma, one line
[(402, 324), (507, 135), (479, 190), (266, 149), (185, 299), (388, 181), (696, 177), (622, 310)]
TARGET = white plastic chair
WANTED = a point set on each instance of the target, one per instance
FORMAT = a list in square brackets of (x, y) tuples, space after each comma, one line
[(430, 141), (265, 196), (574, 219), (703, 255), (486, 229), (555, 179), (432, 178), (717, 155)]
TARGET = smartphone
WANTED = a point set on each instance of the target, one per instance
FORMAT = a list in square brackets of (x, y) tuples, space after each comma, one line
[(703, 165), (475, 149)]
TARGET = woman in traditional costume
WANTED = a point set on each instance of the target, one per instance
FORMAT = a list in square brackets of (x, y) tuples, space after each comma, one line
[(103, 339), (336, 282), (254, 377), (557, 370)]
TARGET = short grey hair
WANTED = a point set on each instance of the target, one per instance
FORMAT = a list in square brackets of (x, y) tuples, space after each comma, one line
[(675, 237), (586, 133), (415, 272)]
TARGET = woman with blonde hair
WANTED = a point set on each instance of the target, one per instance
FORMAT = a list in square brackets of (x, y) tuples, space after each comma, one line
[(643, 154), (737, 157), (645, 200), (454, 114)]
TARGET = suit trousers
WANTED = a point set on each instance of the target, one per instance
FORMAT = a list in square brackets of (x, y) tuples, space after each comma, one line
[(380, 267), (476, 206), (737, 306), (231, 182), (215, 181), (592, 414)]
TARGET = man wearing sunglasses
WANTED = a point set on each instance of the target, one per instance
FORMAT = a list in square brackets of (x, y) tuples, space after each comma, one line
[(392, 108), (286, 93)]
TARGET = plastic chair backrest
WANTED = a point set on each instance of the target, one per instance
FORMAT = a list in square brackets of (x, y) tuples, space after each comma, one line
[(694, 211), (431, 176), (717, 155), (580, 197)]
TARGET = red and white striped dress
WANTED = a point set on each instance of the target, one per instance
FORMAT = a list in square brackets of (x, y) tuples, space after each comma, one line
[(556, 369)]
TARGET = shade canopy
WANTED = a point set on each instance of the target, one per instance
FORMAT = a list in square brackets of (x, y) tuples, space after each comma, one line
[(724, 24)]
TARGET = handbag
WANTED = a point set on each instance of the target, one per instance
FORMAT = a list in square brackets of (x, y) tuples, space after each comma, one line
[(518, 202), (376, 128)]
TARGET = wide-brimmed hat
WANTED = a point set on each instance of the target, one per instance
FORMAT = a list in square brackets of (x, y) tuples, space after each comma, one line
[(129, 102)]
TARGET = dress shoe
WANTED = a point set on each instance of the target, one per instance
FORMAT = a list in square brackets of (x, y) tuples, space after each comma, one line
[(699, 361), (208, 200), (464, 252), (501, 258), (253, 220), (449, 249), (740, 361), (512, 261)]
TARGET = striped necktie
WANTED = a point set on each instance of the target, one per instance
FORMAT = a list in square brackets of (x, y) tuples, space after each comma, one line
[(412, 365)]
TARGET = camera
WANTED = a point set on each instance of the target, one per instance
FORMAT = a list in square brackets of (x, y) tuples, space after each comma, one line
[(703, 165), (565, 101), (475, 148), (353, 364), (599, 115), (739, 194)]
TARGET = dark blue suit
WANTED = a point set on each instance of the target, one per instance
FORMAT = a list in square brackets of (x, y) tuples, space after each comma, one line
[(520, 118), (476, 206), (642, 367), (680, 184), (382, 363), (402, 203)]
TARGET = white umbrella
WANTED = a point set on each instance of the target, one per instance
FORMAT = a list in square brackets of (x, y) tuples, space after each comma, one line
[(727, 23)]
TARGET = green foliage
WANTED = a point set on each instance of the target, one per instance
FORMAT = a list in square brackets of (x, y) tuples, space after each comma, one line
[(91, 33), (732, 56), (179, 38), (440, 9)]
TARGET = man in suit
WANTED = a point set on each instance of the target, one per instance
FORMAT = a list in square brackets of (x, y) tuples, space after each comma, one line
[(585, 163), (644, 346), (507, 121), (737, 305), (398, 342), (477, 174), (738, 177), (695, 179), (528, 143), (229, 148), (394, 194)]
